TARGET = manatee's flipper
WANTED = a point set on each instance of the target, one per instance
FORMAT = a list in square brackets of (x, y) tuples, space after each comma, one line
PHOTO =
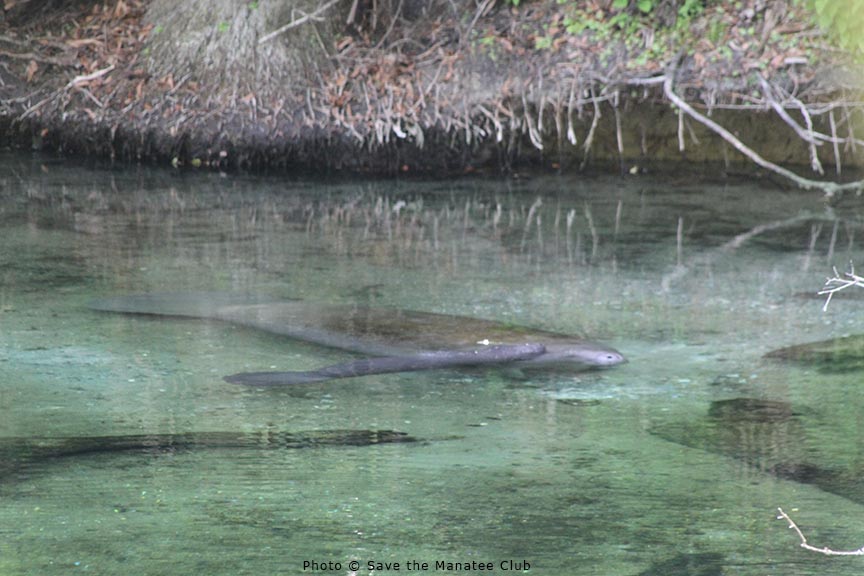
[(484, 355)]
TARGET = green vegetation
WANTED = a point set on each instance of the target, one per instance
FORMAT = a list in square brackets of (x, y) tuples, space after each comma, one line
[(651, 30), (843, 20), (682, 24)]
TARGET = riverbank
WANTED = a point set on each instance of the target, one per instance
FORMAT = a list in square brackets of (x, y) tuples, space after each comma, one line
[(418, 87)]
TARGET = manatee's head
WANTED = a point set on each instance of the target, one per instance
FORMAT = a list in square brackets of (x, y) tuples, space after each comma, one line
[(578, 355)]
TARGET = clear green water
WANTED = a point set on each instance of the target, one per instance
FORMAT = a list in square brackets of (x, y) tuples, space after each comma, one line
[(590, 473)]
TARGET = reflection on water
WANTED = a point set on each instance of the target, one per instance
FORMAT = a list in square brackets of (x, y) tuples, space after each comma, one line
[(673, 463)]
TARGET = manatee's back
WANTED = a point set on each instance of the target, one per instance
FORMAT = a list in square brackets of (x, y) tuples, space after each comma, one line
[(381, 331), (188, 304), (360, 329)]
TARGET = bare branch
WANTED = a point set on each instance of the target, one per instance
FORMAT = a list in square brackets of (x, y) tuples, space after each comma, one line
[(88, 77), (294, 23), (589, 139), (804, 134), (837, 283), (804, 544), (836, 143), (828, 188)]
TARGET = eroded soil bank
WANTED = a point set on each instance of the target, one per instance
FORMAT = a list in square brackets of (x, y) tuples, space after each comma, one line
[(424, 87)]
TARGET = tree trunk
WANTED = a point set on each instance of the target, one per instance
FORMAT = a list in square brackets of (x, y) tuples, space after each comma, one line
[(216, 43)]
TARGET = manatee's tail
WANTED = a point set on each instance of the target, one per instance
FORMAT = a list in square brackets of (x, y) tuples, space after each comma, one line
[(190, 304), (483, 355)]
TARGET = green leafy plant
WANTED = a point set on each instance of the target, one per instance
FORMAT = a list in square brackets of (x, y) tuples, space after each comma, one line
[(543, 42), (843, 20)]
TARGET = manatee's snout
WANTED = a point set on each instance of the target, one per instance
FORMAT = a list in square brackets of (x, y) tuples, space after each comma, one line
[(579, 355), (610, 358)]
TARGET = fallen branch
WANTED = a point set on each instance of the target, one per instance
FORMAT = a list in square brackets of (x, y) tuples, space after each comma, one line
[(805, 134), (804, 544), (38, 58), (837, 283), (294, 23), (828, 188), (78, 80)]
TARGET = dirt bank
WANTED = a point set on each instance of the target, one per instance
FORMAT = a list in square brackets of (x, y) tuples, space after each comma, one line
[(426, 87)]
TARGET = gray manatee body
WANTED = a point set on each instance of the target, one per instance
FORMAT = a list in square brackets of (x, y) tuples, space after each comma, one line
[(26, 455), (389, 340)]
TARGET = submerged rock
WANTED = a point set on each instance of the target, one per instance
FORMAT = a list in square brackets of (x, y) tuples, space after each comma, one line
[(837, 355)]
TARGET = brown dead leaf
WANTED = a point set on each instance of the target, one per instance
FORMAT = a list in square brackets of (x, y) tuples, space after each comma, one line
[(31, 70), (777, 61), (120, 10), (344, 43)]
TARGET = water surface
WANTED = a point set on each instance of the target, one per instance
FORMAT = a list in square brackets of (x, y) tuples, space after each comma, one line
[(635, 470)]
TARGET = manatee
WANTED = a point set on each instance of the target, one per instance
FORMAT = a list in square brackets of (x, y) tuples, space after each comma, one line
[(688, 564), (21, 455), (837, 355), (387, 339), (766, 436)]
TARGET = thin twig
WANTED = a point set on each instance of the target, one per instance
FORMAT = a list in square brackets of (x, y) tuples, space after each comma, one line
[(571, 133), (804, 544), (589, 139), (803, 133), (297, 22), (393, 21), (833, 124), (87, 77), (837, 283)]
